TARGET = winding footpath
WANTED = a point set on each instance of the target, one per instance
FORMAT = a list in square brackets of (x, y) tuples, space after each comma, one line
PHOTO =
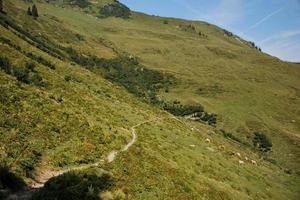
[(40, 181)]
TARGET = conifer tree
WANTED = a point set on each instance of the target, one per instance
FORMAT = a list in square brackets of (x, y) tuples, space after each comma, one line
[(34, 11), (29, 11)]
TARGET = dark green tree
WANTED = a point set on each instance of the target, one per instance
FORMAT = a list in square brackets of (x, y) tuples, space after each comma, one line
[(34, 11), (29, 11)]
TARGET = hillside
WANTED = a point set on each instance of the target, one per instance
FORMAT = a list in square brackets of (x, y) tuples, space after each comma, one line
[(87, 79)]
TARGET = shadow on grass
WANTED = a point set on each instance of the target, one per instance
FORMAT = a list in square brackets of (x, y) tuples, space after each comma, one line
[(9, 182), (76, 185)]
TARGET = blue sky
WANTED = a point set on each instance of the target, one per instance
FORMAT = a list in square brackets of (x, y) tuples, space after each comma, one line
[(274, 25)]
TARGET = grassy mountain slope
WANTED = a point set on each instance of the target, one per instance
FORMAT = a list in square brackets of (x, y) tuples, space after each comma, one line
[(77, 116)]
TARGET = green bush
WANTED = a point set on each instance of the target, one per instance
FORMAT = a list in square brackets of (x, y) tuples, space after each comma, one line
[(85, 185), (37, 80), (21, 74), (30, 55), (30, 66), (262, 142), (182, 110), (5, 65), (68, 78)]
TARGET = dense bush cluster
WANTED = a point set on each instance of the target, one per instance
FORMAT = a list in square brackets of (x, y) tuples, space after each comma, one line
[(140, 81), (126, 71), (262, 142), (252, 44), (210, 118), (115, 9), (229, 34), (79, 185), (25, 74), (194, 111), (37, 58), (178, 109)]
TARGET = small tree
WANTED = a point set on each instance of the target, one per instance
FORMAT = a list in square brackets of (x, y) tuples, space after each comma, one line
[(34, 11), (262, 142), (29, 11)]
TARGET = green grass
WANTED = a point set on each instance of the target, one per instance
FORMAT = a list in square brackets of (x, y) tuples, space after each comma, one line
[(80, 116)]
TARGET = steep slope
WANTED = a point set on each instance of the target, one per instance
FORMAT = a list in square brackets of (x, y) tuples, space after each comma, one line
[(80, 112), (249, 90)]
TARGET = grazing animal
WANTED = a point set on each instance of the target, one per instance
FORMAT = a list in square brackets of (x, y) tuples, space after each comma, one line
[(241, 162), (221, 147), (238, 154), (246, 158), (207, 140), (253, 162)]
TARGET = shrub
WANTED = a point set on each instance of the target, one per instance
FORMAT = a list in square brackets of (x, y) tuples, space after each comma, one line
[(5, 65), (21, 74), (68, 78), (37, 80), (229, 34), (182, 110), (166, 22), (30, 66), (262, 142)]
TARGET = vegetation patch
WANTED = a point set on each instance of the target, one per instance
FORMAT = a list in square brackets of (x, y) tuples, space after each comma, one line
[(38, 42), (25, 74), (262, 142), (115, 9), (37, 58)]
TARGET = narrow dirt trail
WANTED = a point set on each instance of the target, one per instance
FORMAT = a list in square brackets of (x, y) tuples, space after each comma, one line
[(112, 155), (40, 181)]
